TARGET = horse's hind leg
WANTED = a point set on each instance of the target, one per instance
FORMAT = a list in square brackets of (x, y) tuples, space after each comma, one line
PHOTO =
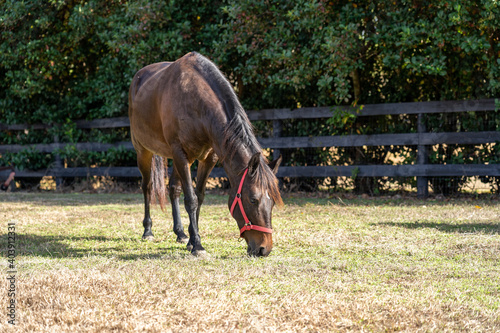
[(144, 159), (174, 191), (204, 169)]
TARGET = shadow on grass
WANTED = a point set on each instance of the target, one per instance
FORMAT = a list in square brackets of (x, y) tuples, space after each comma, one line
[(406, 201), (79, 199), (298, 199), (55, 246), (462, 228), (71, 199)]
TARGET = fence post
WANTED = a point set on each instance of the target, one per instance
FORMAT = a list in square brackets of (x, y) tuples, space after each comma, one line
[(422, 158), (58, 163), (277, 127)]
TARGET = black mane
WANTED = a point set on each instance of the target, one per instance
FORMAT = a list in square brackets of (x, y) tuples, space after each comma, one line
[(238, 131)]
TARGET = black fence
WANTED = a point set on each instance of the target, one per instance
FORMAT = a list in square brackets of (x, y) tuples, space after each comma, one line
[(422, 139)]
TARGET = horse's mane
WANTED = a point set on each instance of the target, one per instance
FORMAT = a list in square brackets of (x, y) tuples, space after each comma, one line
[(266, 179), (238, 133)]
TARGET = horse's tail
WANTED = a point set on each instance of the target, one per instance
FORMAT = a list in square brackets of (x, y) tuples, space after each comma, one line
[(157, 187)]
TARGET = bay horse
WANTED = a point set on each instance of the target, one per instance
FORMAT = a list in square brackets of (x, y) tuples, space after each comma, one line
[(185, 111)]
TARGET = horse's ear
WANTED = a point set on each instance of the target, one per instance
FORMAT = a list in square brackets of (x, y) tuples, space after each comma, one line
[(253, 164), (274, 165)]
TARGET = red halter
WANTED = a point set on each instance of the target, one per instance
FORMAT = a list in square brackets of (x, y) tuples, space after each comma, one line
[(248, 225)]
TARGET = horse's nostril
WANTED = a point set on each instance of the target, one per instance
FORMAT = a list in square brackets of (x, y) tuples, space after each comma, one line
[(258, 252)]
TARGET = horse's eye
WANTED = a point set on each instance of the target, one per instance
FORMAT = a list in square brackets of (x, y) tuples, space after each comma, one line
[(254, 201)]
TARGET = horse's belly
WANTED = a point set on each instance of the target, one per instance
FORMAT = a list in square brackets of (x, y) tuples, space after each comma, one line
[(199, 154), (148, 140), (194, 150)]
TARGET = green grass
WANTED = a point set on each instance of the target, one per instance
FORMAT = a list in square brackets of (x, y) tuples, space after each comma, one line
[(337, 264)]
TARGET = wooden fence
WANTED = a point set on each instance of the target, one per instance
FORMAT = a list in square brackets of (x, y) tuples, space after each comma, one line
[(422, 139)]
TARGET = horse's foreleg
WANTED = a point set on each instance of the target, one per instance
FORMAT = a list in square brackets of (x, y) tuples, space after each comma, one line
[(144, 158), (204, 169), (181, 164), (174, 191)]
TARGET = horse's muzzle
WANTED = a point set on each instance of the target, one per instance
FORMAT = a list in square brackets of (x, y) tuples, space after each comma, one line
[(259, 252)]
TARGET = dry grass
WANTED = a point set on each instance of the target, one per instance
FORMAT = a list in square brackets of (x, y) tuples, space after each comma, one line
[(338, 265)]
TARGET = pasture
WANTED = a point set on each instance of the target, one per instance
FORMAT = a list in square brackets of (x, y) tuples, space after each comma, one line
[(384, 264)]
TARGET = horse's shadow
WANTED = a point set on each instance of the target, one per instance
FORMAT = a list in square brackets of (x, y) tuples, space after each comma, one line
[(77, 199), (57, 247), (491, 228)]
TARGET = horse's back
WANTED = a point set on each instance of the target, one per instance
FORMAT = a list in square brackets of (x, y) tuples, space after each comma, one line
[(189, 77), (179, 103), (145, 74)]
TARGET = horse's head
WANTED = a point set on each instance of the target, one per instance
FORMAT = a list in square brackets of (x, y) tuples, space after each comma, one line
[(251, 203)]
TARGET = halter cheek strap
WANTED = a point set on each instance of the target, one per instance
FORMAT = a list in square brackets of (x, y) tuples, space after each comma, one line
[(248, 225)]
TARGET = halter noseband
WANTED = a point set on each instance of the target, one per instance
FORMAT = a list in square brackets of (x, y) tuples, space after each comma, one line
[(248, 225)]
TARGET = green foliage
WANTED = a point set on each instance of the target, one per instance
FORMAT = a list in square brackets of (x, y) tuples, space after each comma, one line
[(307, 53), (75, 59), (67, 60), (61, 61), (314, 52), (27, 159), (118, 156), (471, 121)]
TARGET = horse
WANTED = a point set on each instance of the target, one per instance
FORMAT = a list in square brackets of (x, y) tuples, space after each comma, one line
[(187, 110)]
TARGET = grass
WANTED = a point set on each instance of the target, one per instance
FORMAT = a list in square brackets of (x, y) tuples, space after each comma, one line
[(337, 265)]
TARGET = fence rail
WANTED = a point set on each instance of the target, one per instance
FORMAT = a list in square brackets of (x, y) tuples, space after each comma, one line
[(406, 139), (421, 139), (434, 170)]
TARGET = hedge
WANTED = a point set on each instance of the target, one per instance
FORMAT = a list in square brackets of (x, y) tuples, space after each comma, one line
[(61, 61)]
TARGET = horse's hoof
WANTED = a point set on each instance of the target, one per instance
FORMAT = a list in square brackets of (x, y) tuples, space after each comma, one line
[(199, 253), (148, 238), (182, 240)]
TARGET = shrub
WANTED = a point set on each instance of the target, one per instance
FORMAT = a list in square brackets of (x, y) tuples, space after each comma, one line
[(66, 60)]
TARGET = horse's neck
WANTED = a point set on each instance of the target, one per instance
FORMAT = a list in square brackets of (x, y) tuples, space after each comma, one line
[(234, 162)]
